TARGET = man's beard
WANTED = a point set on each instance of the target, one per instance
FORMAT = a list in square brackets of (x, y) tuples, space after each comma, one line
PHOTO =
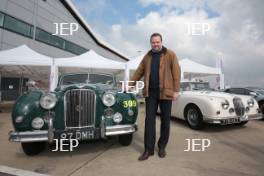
[(156, 49)]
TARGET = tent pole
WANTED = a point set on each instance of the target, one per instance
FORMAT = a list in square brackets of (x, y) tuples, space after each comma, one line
[(0, 90), (53, 76), (182, 75), (126, 78), (222, 81)]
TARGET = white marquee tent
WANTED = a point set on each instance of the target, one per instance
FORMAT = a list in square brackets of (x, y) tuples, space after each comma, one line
[(23, 55), (89, 59), (189, 66)]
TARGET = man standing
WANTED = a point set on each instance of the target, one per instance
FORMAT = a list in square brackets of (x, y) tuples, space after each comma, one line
[(161, 72)]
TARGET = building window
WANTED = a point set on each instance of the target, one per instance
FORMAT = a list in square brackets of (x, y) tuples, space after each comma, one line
[(42, 36), (1, 19), (80, 50), (17, 26), (57, 41), (48, 38), (69, 46)]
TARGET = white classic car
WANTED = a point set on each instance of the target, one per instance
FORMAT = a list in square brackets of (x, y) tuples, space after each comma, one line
[(197, 104)]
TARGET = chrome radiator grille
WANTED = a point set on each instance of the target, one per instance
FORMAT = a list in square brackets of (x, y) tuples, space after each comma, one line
[(239, 106), (80, 108)]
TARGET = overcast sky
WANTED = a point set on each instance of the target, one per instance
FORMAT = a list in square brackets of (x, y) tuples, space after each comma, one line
[(236, 31)]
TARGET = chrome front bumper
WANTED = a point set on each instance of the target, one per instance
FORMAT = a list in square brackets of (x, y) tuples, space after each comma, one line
[(33, 136), (256, 116), (220, 120), (48, 135), (120, 129), (28, 136)]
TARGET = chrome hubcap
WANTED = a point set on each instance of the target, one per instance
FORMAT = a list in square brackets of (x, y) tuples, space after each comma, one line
[(193, 117)]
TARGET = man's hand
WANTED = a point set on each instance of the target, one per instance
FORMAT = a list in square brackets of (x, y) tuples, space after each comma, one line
[(175, 96)]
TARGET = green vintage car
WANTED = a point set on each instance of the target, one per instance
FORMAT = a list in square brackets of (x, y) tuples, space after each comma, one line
[(84, 106)]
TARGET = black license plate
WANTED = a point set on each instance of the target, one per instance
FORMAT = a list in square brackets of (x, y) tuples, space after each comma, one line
[(230, 121), (80, 134)]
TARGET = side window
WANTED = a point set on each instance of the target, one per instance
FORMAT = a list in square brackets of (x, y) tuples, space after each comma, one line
[(185, 86)]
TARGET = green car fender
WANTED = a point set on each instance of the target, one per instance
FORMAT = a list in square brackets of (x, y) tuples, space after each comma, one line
[(126, 102), (27, 107)]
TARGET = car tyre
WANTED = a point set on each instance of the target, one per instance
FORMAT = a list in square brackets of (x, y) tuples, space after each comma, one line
[(33, 148), (261, 107), (242, 123), (194, 117), (125, 139)]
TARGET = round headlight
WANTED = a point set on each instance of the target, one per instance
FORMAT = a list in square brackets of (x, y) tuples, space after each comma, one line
[(250, 102), (48, 101), (109, 99), (225, 104), (117, 118), (37, 123)]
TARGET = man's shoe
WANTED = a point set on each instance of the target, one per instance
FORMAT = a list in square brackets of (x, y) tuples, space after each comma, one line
[(145, 155), (162, 153)]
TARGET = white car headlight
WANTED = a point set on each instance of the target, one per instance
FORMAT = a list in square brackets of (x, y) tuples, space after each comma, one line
[(37, 123), (48, 101), (117, 118), (109, 99), (225, 104), (250, 102)]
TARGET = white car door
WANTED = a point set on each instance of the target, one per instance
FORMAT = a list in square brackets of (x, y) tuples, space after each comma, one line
[(177, 106)]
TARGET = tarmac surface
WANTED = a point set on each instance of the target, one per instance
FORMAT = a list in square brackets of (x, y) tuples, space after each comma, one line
[(233, 151)]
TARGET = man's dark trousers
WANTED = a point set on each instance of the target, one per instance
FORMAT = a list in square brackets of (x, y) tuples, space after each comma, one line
[(152, 102)]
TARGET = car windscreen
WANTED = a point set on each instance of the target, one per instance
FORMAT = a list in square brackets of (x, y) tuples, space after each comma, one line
[(201, 86), (259, 91), (194, 86), (101, 79), (74, 79)]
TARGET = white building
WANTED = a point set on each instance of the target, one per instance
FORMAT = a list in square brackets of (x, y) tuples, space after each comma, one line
[(31, 22)]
